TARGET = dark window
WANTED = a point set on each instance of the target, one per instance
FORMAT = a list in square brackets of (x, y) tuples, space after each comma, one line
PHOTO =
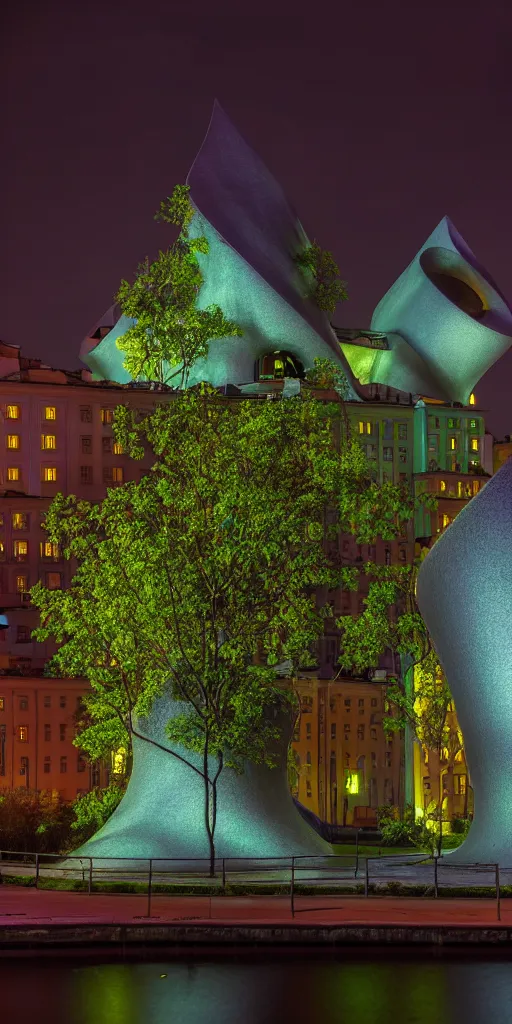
[(47, 733), (361, 702), (373, 733), (86, 413), (86, 476), (402, 454), (360, 732), (348, 702), (388, 454), (47, 701), (308, 757), (308, 788), (86, 442), (308, 730), (62, 732), (387, 432), (374, 702), (23, 765), (2, 749), (23, 703), (402, 431), (22, 635), (106, 444), (333, 730), (63, 765), (47, 765), (62, 701), (80, 764), (387, 556)]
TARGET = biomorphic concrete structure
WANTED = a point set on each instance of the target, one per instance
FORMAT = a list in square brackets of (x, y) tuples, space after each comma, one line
[(445, 319), (250, 270), (162, 812), (465, 596)]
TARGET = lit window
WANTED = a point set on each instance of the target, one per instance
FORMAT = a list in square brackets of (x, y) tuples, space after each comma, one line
[(12, 412), (460, 489), (107, 415), (472, 399), (445, 520), (117, 474), (21, 550), (49, 549), (50, 412), (474, 444), (12, 440), (19, 521), (476, 486), (48, 442), (442, 485), (2, 703), (23, 733), (453, 443), (368, 428), (50, 474), (53, 580), (118, 448), (13, 473), (361, 427), (22, 584), (473, 424)]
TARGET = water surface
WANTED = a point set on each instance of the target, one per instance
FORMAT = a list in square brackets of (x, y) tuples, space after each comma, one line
[(260, 987)]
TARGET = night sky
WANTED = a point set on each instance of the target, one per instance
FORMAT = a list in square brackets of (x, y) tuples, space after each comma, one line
[(376, 119)]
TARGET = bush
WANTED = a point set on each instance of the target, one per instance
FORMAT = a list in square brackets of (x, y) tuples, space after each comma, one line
[(92, 810), (401, 833), (33, 822), (461, 826)]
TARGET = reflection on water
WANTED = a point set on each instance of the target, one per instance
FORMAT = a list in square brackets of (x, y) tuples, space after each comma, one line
[(261, 988)]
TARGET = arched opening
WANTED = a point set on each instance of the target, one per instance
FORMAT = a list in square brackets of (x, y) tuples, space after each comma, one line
[(278, 365)]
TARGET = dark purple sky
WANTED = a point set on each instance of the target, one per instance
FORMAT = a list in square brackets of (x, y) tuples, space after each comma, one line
[(377, 119)]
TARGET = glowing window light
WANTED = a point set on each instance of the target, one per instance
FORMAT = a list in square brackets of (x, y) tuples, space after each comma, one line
[(13, 473), (48, 442), (442, 485), (474, 444), (12, 412), (453, 443), (50, 474), (50, 412), (472, 399), (13, 440)]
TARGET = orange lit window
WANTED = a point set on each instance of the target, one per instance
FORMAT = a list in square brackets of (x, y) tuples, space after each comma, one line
[(12, 440), (107, 415), (12, 412), (19, 521), (48, 442), (13, 473), (476, 486), (23, 733), (445, 520), (474, 444), (50, 412), (22, 584), (118, 448), (50, 474), (48, 549), (117, 474), (21, 550)]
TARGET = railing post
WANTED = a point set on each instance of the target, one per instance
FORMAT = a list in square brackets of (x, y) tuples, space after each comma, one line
[(366, 878), (436, 887), (498, 893), (224, 875), (292, 888), (150, 876), (89, 889), (37, 869)]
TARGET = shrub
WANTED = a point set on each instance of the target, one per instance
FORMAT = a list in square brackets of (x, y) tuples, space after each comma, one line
[(92, 810), (401, 833), (461, 826), (33, 822)]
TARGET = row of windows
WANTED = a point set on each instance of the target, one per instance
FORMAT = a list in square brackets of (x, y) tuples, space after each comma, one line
[(49, 412), (372, 452), (23, 702), (63, 765), (388, 429), (47, 550), (453, 423), (13, 412), (48, 442), (53, 582), (464, 489), (23, 733), (111, 474)]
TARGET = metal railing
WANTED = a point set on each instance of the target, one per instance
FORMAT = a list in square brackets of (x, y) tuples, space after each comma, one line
[(283, 876)]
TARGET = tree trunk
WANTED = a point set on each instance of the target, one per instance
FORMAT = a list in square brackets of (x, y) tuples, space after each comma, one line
[(207, 813), (449, 790)]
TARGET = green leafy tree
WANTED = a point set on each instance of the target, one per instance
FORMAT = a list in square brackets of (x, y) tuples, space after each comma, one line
[(326, 375), (93, 809), (170, 333), (426, 706), (322, 276), (202, 577)]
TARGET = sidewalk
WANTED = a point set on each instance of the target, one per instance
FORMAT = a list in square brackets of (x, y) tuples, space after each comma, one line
[(30, 917)]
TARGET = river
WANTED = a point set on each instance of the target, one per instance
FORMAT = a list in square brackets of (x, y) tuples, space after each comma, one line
[(259, 987)]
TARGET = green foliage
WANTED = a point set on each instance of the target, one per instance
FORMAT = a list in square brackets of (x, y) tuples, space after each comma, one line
[(322, 275), (460, 826), (401, 833), (327, 375), (170, 333), (37, 822), (93, 809), (202, 577)]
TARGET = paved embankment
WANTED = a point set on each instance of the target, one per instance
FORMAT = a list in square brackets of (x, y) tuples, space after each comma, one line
[(31, 918)]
